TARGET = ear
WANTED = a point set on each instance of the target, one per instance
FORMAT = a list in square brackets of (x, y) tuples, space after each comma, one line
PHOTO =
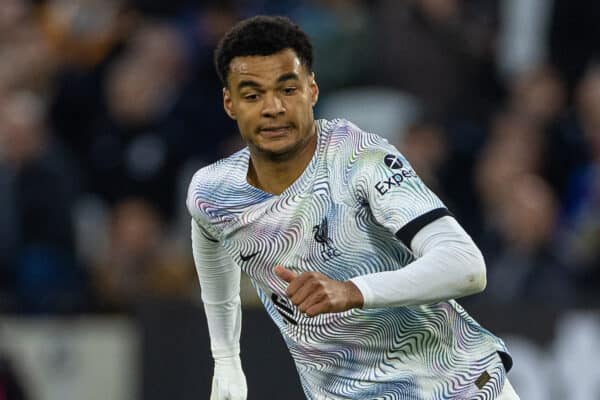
[(314, 89), (228, 103)]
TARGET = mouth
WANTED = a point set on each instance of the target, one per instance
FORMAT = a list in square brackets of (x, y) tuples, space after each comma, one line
[(274, 131)]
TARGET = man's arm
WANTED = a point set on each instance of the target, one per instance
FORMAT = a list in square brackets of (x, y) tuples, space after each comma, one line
[(448, 265), (220, 290)]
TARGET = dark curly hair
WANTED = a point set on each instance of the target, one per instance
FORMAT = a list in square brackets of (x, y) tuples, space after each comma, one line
[(262, 36)]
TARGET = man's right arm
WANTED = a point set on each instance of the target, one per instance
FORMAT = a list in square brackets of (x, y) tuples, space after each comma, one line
[(219, 280)]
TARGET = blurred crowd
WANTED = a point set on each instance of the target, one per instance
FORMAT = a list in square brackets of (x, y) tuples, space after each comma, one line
[(108, 106)]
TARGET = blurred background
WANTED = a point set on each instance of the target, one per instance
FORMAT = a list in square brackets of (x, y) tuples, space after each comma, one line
[(107, 107)]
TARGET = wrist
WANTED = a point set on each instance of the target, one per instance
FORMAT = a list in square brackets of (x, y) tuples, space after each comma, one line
[(229, 361), (225, 350), (354, 295)]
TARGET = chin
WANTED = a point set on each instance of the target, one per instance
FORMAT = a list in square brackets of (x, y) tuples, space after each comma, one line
[(276, 152)]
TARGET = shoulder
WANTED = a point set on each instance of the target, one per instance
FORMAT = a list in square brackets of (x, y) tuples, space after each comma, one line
[(349, 145), (212, 185)]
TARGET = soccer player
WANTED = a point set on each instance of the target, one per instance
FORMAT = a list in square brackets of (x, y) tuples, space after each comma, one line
[(354, 258)]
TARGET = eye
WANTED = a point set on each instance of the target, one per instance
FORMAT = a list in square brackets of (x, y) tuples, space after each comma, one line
[(251, 97), (289, 90)]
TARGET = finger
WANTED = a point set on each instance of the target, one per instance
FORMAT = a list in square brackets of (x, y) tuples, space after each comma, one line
[(304, 292), (310, 301), (321, 307), (285, 274), (302, 280)]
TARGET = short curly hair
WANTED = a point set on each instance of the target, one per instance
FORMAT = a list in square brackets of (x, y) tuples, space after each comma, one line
[(262, 36)]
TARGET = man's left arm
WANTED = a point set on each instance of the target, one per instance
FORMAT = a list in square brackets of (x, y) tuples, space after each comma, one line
[(449, 265)]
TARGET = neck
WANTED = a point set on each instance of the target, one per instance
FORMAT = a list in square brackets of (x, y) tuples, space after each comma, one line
[(275, 176)]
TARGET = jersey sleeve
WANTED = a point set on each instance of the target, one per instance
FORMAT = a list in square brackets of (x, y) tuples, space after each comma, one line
[(219, 279), (218, 275), (198, 207), (396, 196)]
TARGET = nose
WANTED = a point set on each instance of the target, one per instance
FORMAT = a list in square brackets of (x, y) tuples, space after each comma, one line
[(272, 105)]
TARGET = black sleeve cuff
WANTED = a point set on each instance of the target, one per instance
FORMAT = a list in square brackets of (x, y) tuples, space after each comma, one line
[(408, 231)]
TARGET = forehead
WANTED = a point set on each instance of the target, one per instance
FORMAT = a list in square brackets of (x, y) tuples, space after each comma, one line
[(264, 69)]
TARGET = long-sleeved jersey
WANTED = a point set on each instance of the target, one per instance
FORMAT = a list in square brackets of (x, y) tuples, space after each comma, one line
[(352, 212)]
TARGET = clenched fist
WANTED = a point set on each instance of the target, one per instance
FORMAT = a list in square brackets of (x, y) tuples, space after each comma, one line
[(229, 381), (314, 293)]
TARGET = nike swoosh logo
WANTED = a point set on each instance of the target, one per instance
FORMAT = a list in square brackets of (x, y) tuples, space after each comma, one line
[(249, 256)]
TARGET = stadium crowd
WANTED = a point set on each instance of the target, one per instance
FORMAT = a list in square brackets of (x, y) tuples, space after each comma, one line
[(107, 107)]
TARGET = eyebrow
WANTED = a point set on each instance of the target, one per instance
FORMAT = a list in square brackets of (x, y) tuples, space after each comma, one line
[(247, 83), (285, 77)]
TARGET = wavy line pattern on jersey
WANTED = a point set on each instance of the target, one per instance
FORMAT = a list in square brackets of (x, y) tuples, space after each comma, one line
[(431, 352), (216, 190), (404, 345)]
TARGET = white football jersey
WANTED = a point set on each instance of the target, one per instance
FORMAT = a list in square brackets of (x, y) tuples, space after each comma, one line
[(353, 211)]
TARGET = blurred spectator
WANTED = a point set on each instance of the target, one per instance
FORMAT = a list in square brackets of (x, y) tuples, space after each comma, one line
[(40, 189), (210, 131), (342, 35), (538, 94), (140, 263), (14, 13), (27, 62), (438, 50), (202, 29), (514, 148), (581, 220), (135, 148), (519, 215), (84, 47), (425, 146), (82, 32), (573, 32), (523, 266)]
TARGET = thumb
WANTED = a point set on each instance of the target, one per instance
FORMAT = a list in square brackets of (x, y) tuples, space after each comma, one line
[(285, 274)]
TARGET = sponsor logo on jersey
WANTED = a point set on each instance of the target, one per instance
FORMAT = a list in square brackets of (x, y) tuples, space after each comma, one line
[(394, 180), (393, 161), (321, 235)]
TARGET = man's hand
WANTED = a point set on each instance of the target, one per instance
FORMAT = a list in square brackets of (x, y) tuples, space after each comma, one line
[(314, 293), (229, 381)]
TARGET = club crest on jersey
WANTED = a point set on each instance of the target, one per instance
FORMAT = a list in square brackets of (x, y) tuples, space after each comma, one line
[(393, 161), (321, 235)]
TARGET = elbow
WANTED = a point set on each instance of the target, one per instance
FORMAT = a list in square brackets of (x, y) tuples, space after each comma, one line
[(476, 277), (476, 283)]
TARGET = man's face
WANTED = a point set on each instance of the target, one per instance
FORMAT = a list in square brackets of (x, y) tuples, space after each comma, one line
[(272, 98)]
